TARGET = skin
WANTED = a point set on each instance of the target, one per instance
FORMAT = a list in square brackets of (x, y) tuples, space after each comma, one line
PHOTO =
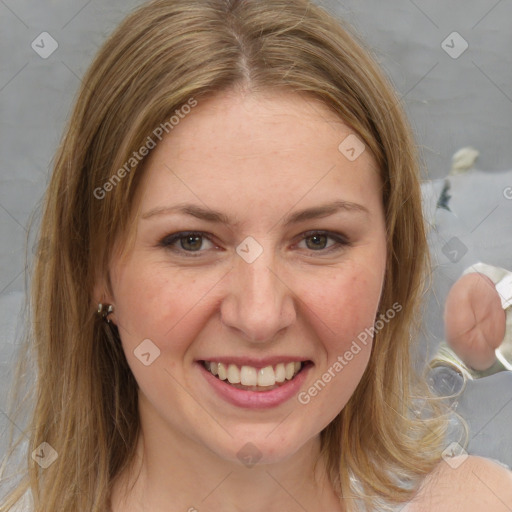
[(474, 319), (292, 300), (255, 159), (465, 484)]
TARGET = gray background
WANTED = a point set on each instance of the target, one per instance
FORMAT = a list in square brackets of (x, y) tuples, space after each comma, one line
[(452, 102)]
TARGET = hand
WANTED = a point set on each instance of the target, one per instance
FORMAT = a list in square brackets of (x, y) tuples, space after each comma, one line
[(474, 320)]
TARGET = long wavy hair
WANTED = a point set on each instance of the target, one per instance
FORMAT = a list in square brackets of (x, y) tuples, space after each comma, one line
[(391, 433)]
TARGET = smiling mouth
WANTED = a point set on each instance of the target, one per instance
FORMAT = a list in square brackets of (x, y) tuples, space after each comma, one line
[(249, 378)]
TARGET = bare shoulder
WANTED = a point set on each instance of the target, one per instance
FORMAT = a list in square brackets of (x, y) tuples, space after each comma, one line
[(467, 484)]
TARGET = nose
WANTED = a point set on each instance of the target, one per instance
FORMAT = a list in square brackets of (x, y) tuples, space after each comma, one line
[(259, 303)]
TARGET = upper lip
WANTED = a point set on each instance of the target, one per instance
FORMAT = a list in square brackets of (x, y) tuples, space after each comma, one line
[(255, 362)]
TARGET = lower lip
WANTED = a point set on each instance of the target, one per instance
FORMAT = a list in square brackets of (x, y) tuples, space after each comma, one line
[(256, 399)]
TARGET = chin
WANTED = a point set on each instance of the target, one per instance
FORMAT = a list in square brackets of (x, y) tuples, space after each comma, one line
[(263, 445)]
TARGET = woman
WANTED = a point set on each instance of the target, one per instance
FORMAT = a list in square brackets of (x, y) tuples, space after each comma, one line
[(236, 258)]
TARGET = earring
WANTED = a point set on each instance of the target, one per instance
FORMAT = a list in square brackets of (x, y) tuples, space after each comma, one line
[(104, 310)]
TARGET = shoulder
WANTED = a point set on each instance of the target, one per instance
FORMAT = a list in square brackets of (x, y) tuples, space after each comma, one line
[(467, 484)]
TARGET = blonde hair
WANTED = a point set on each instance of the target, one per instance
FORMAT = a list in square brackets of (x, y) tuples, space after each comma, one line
[(380, 446)]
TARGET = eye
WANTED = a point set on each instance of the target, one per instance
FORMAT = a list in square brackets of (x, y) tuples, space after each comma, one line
[(189, 242), (317, 241)]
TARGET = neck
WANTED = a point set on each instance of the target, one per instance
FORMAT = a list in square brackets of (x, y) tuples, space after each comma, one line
[(171, 472)]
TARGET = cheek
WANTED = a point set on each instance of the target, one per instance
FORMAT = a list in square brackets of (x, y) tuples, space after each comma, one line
[(345, 305), (342, 313), (171, 307), (161, 305)]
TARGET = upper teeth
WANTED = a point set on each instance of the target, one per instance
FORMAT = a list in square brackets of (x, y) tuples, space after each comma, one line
[(250, 376)]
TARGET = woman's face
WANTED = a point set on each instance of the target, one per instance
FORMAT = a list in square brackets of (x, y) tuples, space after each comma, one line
[(281, 260)]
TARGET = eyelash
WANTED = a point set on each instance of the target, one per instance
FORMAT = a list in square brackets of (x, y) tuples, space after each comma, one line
[(168, 241)]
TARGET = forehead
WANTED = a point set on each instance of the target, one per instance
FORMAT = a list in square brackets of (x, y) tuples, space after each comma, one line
[(260, 148)]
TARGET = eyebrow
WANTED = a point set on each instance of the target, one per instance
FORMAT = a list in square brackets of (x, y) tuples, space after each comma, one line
[(315, 212)]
